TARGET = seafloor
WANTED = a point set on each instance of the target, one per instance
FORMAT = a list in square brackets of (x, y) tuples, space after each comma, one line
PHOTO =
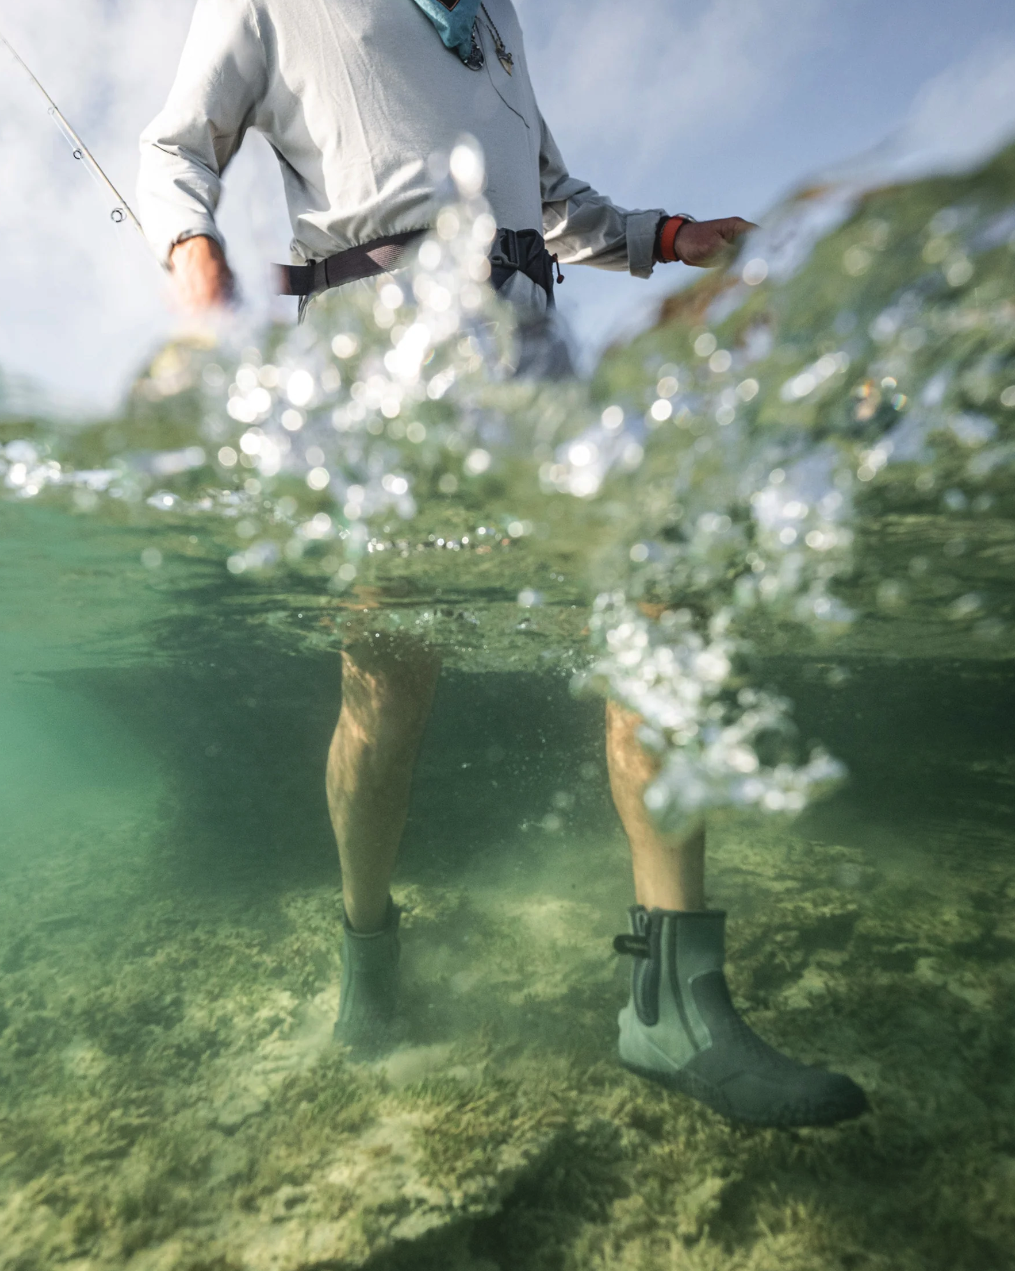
[(170, 1100)]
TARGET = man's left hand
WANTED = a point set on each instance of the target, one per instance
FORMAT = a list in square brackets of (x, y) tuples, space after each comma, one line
[(709, 243)]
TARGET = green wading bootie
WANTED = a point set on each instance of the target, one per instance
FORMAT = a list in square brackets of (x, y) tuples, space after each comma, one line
[(680, 1028), (369, 990)]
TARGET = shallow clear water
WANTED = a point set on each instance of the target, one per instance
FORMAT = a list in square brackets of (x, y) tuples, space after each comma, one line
[(170, 1099)]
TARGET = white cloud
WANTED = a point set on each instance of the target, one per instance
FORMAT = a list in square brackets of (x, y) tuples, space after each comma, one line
[(660, 78), (958, 119)]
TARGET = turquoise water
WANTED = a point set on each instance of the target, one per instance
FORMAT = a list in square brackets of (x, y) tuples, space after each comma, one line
[(836, 537)]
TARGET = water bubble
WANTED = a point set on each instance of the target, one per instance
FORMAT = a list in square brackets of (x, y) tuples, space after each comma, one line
[(965, 606), (856, 261), (430, 256), (661, 410), (955, 500), (476, 462), (300, 387), (242, 410), (448, 223), (755, 271), (467, 168), (483, 229), (958, 271), (344, 345), (582, 453), (246, 378)]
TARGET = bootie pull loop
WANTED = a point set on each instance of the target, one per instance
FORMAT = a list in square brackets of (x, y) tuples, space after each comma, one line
[(636, 946)]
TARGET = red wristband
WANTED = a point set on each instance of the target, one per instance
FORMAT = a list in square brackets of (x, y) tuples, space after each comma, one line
[(667, 252)]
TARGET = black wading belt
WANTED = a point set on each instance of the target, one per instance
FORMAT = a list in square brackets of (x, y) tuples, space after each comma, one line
[(513, 251)]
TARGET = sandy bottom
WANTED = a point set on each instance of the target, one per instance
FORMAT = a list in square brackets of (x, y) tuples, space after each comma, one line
[(170, 1099)]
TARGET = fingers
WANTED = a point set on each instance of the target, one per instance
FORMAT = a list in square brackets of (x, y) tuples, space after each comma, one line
[(733, 227), (706, 244)]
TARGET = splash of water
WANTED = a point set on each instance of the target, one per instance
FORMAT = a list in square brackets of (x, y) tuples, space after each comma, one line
[(699, 507)]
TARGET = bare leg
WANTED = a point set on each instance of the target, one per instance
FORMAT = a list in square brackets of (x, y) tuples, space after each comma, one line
[(669, 869), (387, 691)]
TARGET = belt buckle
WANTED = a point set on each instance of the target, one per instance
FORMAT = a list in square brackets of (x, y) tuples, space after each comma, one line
[(506, 251)]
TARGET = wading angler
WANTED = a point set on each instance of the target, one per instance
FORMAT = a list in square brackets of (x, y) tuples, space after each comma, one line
[(355, 97)]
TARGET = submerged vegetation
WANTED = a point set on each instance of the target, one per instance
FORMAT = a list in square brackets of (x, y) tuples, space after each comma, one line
[(797, 486), (170, 1098)]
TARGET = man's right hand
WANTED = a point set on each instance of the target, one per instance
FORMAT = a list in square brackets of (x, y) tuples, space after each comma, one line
[(201, 278)]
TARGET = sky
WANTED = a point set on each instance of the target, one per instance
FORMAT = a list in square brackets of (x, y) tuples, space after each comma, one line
[(713, 107)]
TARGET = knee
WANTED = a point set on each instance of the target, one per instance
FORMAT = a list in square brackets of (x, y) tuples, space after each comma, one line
[(627, 758), (386, 697)]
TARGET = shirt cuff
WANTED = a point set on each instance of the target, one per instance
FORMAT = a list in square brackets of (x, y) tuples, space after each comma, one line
[(164, 228), (641, 238), (200, 231)]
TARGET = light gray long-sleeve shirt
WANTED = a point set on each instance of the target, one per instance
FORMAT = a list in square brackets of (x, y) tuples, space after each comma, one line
[(354, 96)]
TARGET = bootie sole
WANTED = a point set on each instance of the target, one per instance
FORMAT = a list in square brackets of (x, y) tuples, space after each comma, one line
[(695, 1087)]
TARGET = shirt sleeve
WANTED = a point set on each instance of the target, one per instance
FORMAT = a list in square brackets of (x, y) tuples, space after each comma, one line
[(584, 227), (185, 150)]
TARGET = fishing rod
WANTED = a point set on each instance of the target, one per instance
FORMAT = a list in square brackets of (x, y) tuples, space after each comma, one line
[(122, 210)]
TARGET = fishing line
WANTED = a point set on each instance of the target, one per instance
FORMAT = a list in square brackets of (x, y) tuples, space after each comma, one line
[(122, 210)]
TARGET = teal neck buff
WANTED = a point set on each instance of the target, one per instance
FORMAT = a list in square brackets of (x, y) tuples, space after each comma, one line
[(454, 20)]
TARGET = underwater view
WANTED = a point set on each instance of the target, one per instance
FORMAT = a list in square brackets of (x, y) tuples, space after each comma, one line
[(777, 528)]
